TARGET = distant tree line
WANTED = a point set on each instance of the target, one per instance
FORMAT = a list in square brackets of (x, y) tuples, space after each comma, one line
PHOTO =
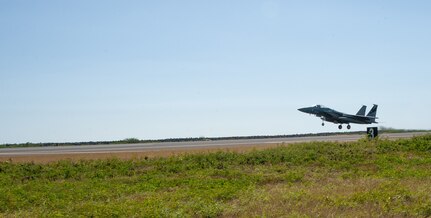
[(190, 139)]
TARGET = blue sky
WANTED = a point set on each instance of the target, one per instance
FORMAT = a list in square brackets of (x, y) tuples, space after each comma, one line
[(109, 70)]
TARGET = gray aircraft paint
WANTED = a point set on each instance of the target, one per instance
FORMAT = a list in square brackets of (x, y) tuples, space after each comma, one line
[(333, 116), (361, 111)]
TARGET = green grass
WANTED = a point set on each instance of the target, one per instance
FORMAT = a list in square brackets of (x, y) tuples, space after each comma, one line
[(364, 178)]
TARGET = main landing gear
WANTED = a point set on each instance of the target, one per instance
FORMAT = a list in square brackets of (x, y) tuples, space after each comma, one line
[(323, 123), (340, 126)]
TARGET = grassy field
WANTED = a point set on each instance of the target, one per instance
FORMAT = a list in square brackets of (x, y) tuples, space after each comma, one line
[(364, 178)]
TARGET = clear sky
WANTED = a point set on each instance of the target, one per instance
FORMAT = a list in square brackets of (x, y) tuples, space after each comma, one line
[(109, 70)]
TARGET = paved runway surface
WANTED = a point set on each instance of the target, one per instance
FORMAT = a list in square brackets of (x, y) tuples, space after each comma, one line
[(118, 148)]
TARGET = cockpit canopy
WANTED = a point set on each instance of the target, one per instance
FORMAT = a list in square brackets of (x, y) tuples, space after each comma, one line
[(319, 106)]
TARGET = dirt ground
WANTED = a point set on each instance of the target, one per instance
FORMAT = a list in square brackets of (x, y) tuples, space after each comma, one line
[(46, 158)]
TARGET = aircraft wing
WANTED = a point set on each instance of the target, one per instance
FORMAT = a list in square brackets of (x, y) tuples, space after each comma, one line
[(332, 116), (356, 119), (364, 117), (348, 119)]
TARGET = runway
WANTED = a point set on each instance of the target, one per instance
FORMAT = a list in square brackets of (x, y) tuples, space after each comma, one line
[(175, 146)]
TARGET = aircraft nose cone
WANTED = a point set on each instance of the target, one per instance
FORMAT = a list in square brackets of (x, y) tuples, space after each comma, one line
[(304, 109), (308, 110)]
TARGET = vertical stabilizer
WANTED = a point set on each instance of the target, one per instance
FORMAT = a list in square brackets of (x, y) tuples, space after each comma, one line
[(361, 111), (373, 111)]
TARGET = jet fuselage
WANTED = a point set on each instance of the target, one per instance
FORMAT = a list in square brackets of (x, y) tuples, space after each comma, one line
[(333, 116)]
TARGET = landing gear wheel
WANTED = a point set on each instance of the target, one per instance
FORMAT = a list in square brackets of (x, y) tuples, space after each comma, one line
[(348, 126), (340, 126), (323, 124)]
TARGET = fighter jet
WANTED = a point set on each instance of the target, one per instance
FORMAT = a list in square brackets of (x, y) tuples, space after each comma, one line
[(333, 116)]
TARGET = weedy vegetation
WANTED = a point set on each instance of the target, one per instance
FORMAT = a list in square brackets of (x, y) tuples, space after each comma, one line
[(363, 178)]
